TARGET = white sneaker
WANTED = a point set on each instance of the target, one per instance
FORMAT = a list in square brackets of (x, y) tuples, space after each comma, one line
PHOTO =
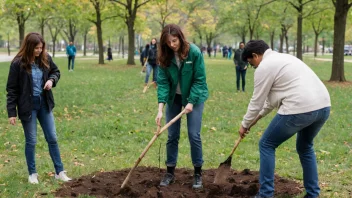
[(62, 176), (33, 178)]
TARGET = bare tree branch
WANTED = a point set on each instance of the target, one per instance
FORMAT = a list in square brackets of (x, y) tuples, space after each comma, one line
[(142, 3), (117, 1), (307, 2)]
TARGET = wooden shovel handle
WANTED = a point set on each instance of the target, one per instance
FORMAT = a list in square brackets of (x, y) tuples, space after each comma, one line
[(236, 145), (150, 144), (240, 138)]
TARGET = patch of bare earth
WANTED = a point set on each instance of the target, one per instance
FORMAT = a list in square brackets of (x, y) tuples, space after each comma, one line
[(338, 84), (144, 182)]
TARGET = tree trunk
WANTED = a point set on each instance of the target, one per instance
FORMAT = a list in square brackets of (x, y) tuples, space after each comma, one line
[(299, 35), (21, 28), (251, 32), (294, 47), (94, 48), (286, 39), (272, 37), (123, 46), (341, 10), (42, 25), (323, 51), (119, 45), (85, 44), (281, 48), (131, 47), (100, 42), (54, 44), (316, 44), (8, 44)]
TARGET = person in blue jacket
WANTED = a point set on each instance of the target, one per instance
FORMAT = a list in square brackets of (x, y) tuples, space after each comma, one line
[(71, 54)]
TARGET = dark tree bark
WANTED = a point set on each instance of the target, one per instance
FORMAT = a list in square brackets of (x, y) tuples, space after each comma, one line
[(131, 7), (54, 31), (123, 46), (85, 33), (318, 29), (300, 17), (42, 25), (72, 30), (8, 44), (21, 18), (272, 37), (281, 48), (98, 23), (323, 51), (340, 18)]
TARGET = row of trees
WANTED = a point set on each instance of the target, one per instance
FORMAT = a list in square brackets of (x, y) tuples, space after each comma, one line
[(206, 22)]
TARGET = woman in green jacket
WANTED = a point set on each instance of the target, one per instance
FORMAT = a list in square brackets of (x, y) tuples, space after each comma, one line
[(181, 83)]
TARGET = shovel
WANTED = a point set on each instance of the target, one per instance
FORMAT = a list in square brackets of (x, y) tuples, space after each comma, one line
[(159, 131), (225, 166)]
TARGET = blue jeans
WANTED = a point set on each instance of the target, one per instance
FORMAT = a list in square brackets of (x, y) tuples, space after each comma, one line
[(281, 128), (71, 59), (194, 123), (240, 73), (149, 70), (46, 119)]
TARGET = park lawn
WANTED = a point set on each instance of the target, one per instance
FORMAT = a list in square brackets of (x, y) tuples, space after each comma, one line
[(104, 121)]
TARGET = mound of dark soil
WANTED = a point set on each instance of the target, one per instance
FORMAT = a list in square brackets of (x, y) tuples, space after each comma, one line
[(144, 182)]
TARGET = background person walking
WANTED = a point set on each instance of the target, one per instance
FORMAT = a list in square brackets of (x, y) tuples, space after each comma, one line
[(71, 54), (31, 78), (152, 54)]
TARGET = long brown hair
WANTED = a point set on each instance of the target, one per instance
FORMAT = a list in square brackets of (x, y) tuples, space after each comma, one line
[(165, 53), (26, 52)]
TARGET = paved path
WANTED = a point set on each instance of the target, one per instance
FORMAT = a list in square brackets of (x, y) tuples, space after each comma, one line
[(328, 59), (5, 58)]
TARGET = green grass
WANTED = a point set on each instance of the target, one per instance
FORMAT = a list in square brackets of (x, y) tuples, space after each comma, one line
[(104, 122)]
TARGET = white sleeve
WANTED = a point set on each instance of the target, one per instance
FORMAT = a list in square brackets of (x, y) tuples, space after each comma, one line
[(263, 81)]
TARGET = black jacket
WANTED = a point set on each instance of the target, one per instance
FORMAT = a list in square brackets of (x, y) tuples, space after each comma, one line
[(20, 89), (238, 59), (152, 54)]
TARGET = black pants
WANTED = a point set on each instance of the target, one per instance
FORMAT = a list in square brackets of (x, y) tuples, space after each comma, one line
[(240, 73)]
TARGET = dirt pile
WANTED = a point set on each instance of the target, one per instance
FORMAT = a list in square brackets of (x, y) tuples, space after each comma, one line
[(144, 182)]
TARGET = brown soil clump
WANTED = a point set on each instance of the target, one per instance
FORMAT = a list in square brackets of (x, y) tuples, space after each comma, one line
[(144, 182)]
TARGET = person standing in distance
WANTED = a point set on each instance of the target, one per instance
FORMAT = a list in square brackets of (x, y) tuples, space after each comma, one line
[(71, 54), (181, 83), (32, 76), (283, 81), (241, 67)]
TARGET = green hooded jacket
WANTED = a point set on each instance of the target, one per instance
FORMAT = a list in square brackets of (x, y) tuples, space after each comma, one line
[(192, 78)]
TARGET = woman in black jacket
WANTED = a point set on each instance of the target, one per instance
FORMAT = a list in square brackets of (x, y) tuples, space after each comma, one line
[(31, 77)]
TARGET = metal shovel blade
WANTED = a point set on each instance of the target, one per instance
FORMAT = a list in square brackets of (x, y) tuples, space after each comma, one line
[(223, 171)]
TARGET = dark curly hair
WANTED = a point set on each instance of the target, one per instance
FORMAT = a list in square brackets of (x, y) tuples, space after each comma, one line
[(254, 46)]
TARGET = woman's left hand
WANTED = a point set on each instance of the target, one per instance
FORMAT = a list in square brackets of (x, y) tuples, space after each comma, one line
[(189, 108), (48, 85)]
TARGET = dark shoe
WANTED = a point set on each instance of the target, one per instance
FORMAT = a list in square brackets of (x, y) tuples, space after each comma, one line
[(197, 182), (168, 179), (308, 196)]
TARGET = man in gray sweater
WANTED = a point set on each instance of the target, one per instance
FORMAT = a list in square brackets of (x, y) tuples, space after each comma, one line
[(284, 82)]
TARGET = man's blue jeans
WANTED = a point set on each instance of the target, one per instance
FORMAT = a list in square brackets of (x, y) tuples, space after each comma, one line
[(46, 119), (242, 74), (149, 70), (281, 128), (71, 59), (194, 123)]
